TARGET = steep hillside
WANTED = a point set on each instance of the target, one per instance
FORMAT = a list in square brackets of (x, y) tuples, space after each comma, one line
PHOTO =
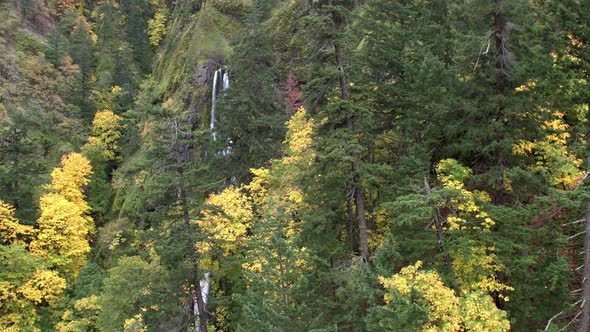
[(39, 117), (294, 165)]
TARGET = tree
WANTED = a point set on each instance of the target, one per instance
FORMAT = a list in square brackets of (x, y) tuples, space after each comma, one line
[(157, 25), (104, 153), (106, 131), (64, 224), (27, 284), (421, 300), (122, 298), (81, 46), (276, 269), (11, 231)]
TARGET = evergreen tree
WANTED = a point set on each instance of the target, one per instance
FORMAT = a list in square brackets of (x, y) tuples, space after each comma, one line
[(251, 117), (81, 46)]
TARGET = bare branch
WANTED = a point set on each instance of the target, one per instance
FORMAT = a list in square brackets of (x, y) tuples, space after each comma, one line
[(573, 222), (559, 314), (575, 235), (571, 321), (552, 318)]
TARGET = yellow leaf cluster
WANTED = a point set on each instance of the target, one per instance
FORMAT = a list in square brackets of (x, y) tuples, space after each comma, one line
[(475, 268), (10, 229), (23, 289), (64, 224), (480, 314), (468, 214), (474, 262), (277, 198), (106, 131), (15, 313), (63, 233), (446, 311), (82, 318), (444, 314), (69, 180), (61, 237), (44, 286), (157, 26), (226, 221), (551, 151), (134, 324), (299, 139)]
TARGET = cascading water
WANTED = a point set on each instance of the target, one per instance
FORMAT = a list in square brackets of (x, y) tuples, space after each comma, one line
[(225, 82), (219, 73), (205, 286), (214, 101)]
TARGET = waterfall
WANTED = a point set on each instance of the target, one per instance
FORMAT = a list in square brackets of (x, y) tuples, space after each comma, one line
[(224, 76), (205, 286), (224, 88), (225, 82), (214, 101)]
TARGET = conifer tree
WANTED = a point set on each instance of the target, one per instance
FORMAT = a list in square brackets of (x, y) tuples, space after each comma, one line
[(81, 46), (251, 115)]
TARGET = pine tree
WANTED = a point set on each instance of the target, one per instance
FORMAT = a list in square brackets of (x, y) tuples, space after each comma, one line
[(276, 268), (251, 115), (81, 46)]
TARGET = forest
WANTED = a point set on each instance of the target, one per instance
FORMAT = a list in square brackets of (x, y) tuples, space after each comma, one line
[(295, 165)]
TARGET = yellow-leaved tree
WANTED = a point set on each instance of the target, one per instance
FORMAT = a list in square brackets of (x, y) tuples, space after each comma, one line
[(425, 293), (26, 282), (11, 230), (465, 231), (64, 224), (69, 180), (473, 255), (226, 222), (106, 131), (275, 266)]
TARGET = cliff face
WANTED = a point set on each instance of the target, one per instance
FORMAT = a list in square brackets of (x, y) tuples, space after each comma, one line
[(198, 42)]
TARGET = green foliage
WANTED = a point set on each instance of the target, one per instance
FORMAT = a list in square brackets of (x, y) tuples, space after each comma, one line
[(238, 9), (420, 299), (451, 133), (125, 290), (157, 25), (28, 44), (27, 286)]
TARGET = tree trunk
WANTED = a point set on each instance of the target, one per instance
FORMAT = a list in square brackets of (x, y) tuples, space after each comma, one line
[(500, 80), (200, 315), (349, 203), (440, 239), (16, 167), (500, 52), (199, 305), (356, 165), (585, 314)]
